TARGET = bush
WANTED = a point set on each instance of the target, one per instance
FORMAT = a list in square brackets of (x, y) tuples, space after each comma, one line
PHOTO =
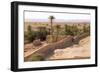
[(71, 30), (86, 28), (37, 57), (42, 33), (30, 34)]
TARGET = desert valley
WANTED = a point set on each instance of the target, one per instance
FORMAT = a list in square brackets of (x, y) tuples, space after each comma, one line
[(52, 40)]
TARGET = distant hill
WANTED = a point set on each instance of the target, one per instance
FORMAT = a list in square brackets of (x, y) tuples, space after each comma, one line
[(57, 21)]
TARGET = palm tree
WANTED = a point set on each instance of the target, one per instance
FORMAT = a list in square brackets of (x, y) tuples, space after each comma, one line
[(51, 23), (57, 29), (84, 28)]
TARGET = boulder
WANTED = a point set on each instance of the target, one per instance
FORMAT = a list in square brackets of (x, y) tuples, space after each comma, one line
[(37, 42)]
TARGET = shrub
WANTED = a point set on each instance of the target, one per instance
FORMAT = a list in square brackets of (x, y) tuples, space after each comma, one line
[(71, 30), (68, 30), (42, 33), (37, 57), (86, 28), (30, 34)]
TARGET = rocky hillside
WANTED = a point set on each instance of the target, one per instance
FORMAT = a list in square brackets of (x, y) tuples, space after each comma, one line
[(77, 51)]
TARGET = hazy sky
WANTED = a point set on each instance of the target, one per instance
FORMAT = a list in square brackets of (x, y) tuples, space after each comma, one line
[(64, 16)]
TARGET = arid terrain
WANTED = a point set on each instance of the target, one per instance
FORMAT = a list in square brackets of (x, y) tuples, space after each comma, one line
[(77, 51), (50, 40)]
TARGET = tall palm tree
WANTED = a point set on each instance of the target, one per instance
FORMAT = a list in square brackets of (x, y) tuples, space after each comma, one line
[(51, 23), (57, 31)]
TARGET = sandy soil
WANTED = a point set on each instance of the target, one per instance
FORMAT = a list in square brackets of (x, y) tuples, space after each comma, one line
[(30, 49), (77, 51)]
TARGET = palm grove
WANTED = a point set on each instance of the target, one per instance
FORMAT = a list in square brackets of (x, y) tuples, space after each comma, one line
[(54, 32)]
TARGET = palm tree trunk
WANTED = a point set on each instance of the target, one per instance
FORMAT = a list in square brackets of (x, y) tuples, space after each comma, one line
[(51, 30), (57, 36)]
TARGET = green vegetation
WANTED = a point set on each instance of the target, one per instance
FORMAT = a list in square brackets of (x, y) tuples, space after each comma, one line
[(53, 32), (42, 33), (68, 30), (57, 31), (37, 57), (74, 30), (30, 34), (86, 28), (45, 34)]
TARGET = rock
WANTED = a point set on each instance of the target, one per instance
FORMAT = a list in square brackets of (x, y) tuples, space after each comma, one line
[(37, 42), (76, 39)]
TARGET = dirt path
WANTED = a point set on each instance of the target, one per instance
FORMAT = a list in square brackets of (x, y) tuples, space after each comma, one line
[(33, 49)]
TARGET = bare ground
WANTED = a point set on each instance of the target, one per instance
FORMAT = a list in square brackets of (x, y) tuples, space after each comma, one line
[(77, 51)]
